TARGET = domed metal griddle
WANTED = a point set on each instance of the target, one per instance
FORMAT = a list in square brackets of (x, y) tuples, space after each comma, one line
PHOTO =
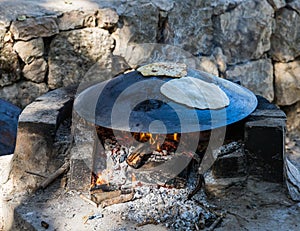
[(132, 102)]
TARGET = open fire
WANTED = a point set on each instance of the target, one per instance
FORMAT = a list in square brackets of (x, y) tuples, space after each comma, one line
[(120, 158), (136, 149)]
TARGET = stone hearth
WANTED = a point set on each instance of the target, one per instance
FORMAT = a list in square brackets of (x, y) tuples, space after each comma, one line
[(249, 166), (51, 46)]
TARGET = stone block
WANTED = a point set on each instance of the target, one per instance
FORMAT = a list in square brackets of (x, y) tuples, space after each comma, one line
[(71, 20), (231, 165), (287, 76), (244, 32), (260, 114), (35, 147), (284, 41), (30, 50), (34, 28), (80, 175), (36, 70), (265, 141), (256, 76), (81, 164), (265, 148), (208, 64), (220, 7)]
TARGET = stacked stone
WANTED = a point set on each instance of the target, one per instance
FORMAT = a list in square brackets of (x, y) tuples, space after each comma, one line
[(255, 42)]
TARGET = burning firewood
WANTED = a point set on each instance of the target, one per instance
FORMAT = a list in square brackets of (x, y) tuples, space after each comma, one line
[(108, 198), (98, 195), (117, 200), (139, 155)]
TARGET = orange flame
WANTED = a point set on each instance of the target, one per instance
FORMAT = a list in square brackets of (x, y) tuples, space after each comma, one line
[(100, 179), (175, 136), (158, 147)]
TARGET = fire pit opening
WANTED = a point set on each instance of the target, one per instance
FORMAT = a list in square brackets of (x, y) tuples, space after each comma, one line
[(124, 160)]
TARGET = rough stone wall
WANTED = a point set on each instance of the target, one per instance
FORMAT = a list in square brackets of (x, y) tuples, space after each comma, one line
[(256, 42)]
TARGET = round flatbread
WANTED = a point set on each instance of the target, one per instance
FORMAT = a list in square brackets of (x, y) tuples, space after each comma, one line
[(195, 93), (175, 70)]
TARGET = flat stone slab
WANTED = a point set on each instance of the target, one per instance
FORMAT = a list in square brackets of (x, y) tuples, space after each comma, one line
[(9, 115)]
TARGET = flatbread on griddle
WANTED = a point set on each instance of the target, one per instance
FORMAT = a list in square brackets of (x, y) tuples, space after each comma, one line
[(175, 70), (195, 93)]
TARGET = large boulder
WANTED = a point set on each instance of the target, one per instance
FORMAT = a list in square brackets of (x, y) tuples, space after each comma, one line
[(72, 53), (287, 81), (255, 75), (244, 32), (285, 39)]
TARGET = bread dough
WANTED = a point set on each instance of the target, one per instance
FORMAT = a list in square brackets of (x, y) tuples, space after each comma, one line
[(195, 93)]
